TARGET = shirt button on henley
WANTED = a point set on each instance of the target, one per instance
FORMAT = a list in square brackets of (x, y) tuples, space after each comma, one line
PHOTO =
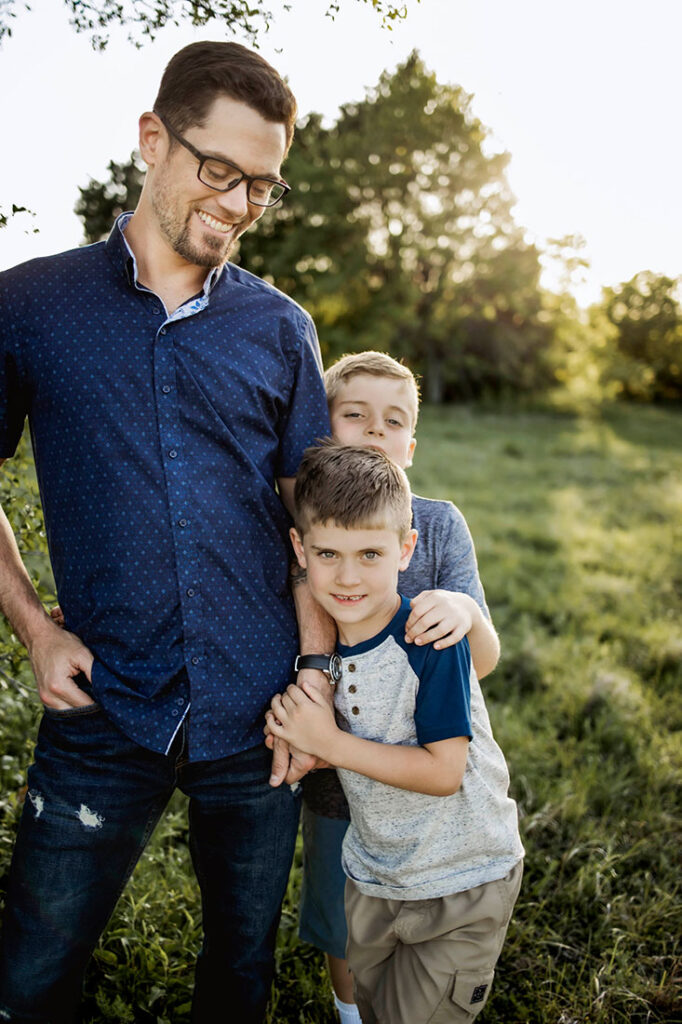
[(355, 710)]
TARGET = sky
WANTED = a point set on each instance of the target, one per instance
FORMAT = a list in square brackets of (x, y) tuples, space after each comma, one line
[(585, 96)]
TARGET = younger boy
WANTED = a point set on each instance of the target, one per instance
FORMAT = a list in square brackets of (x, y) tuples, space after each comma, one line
[(374, 401), (433, 855)]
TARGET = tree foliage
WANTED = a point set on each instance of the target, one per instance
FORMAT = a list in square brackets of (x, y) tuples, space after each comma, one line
[(144, 19), (647, 317)]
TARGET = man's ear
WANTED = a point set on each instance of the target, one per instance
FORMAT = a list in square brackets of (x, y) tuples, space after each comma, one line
[(297, 545), (153, 139), (407, 550)]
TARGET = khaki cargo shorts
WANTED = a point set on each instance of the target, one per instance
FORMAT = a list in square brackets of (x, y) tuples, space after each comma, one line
[(428, 961)]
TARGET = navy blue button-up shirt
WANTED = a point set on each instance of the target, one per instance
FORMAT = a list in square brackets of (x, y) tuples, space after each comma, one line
[(157, 443)]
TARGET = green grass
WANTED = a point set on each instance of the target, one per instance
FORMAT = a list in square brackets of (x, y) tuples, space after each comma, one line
[(578, 531)]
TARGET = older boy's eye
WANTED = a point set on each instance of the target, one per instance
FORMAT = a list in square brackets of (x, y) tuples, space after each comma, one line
[(371, 555), (352, 415), (326, 554)]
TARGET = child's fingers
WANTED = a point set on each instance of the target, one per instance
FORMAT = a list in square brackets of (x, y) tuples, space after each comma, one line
[(312, 692)]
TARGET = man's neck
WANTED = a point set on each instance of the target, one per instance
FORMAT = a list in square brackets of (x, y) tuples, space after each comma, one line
[(159, 267)]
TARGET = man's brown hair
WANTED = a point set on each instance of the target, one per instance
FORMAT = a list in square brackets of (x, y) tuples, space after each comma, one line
[(376, 364), (356, 488), (196, 75)]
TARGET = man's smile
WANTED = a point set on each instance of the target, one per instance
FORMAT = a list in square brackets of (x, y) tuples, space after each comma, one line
[(213, 222)]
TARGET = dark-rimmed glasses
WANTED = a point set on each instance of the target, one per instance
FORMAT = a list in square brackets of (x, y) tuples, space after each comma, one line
[(222, 176)]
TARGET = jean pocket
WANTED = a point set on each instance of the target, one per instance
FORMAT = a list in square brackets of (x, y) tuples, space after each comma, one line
[(80, 712)]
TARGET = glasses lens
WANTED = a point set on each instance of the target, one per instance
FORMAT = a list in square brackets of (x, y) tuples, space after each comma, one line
[(265, 193), (218, 174)]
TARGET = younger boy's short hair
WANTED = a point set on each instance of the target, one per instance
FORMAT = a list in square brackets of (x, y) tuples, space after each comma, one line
[(356, 488), (376, 364)]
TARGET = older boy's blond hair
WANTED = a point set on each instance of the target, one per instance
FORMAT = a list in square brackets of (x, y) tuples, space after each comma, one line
[(376, 364), (356, 488)]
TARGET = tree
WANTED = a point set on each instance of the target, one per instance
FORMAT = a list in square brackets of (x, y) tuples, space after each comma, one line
[(145, 18), (403, 238), (647, 316)]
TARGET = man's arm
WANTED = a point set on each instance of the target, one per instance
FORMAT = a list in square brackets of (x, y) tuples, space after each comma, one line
[(317, 635), (56, 655), (307, 722)]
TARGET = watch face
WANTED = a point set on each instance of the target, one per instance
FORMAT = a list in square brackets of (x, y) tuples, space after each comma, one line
[(335, 667)]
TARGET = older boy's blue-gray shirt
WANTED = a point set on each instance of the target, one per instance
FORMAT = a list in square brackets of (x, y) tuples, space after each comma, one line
[(410, 846), (157, 442)]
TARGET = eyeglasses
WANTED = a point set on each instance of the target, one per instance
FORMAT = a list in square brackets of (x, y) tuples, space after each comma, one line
[(222, 176)]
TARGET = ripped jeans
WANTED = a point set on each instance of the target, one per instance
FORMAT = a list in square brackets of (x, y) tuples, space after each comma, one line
[(94, 797)]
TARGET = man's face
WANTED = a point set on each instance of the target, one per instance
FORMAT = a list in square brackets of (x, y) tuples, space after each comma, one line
[(353, 574), (200, 224), (375, 412)]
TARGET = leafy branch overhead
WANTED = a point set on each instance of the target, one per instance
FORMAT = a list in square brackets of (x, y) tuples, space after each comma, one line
[(144, 19)]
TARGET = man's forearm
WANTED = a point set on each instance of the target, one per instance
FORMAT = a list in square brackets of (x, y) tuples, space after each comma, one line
[(316, 629), (19, 602)]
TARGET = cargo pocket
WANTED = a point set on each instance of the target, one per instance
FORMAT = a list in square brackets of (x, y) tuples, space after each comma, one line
[(470, 992)]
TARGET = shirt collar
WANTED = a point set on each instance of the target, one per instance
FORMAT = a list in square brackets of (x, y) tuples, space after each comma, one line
[(123, 256)]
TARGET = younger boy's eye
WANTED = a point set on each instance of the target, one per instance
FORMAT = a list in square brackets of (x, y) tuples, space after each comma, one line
[(395, 423)]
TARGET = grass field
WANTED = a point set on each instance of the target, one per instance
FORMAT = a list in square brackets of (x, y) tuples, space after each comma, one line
[(579, 536)]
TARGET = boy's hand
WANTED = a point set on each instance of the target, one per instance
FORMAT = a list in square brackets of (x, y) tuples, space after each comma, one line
[(440, 617), (288, 763), (304, 718)]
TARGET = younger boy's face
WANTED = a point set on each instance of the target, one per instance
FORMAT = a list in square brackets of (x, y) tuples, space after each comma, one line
[(375, 412), (353, 574)]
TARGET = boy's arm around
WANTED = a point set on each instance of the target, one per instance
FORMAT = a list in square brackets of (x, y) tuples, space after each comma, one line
[(444, 617), (450, 601)]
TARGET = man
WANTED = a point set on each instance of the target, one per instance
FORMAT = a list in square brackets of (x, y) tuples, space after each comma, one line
[(169, 394)]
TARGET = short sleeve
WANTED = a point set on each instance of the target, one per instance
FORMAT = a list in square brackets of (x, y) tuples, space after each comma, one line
[(443, 706), (13, 392), (307, 418), (457, 566)]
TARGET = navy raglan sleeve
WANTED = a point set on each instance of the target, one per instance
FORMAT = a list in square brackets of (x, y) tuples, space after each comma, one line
[(443, 706)]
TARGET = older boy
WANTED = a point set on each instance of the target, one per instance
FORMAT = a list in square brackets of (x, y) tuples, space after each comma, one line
[(374, 401), (433, 855)]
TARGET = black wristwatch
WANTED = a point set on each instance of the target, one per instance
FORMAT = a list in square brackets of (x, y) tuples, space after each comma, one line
[(330, 664)]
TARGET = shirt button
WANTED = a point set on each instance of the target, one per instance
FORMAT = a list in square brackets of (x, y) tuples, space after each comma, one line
[(355, 710), (156, 310), (352, 688), (175, 712), (195, 660), (180, 701), (166, 389), (172, 454), (182, 522), (351, 668), (191, 592), (163, 331)]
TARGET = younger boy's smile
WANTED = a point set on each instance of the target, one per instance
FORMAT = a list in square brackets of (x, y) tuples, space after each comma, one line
[(353, 574)]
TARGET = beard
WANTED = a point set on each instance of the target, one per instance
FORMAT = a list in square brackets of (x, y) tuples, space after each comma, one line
[(211, 252)]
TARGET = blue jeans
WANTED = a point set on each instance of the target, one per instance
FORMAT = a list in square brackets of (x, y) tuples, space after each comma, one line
[(94, 797)]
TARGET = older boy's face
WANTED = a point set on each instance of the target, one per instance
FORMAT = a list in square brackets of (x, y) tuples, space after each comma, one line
[(353, 574), (375, 412)]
